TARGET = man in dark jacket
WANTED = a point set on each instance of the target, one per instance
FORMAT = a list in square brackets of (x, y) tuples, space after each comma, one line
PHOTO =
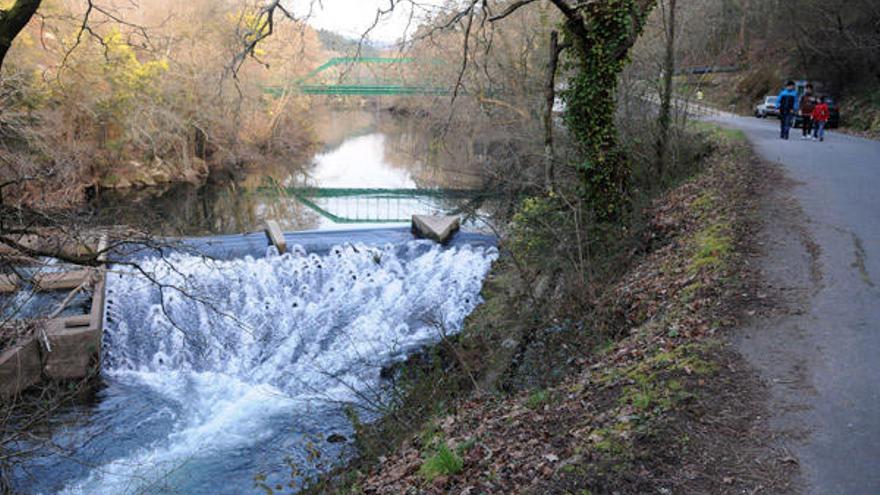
[(786, 103), (808, 103)]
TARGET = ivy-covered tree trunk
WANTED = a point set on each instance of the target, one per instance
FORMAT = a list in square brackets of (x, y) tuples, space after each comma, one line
[(12, 21), (601, 34)]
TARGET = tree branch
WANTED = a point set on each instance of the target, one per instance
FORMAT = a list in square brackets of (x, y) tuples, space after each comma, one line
[(12, 21), (513, 7)]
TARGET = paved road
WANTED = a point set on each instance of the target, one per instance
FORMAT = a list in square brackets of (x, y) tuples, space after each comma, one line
[(824, 363)]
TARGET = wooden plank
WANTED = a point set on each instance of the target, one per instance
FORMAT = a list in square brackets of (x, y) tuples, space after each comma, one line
[(60, 280), (276, 236)]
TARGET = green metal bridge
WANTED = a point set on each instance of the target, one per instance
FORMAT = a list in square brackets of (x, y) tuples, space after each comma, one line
[(359, 206), (364, 76)]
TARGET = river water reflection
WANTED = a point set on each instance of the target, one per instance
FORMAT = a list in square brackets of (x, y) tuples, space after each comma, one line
[(372, 169), (238, 395)]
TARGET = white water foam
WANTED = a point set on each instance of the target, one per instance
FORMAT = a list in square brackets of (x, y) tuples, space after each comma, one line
[(239, 344)]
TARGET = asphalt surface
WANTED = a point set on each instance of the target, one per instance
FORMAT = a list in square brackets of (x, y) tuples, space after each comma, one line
[(823, 360)]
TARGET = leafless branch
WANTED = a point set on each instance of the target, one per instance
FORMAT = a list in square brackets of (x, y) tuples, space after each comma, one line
[(511, 8)]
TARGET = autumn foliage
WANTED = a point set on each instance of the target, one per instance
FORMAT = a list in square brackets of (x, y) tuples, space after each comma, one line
[(148, 93)]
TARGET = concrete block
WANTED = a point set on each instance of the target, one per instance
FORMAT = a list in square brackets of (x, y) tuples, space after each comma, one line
[(74, 351), (439, 228), (98, 295), (276, 236), (20, 367)]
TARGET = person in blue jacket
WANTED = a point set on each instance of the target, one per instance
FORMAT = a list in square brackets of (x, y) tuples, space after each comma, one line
[(786, 103)]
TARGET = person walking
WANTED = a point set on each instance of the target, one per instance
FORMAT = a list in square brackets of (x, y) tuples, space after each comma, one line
[(786, 103), (807, 104), (821, 114)]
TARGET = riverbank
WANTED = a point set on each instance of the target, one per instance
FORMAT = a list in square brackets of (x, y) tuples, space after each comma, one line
[(356, 150), (656, 402)]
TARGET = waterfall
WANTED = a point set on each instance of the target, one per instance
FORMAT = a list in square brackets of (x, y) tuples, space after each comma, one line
[(226, 365)]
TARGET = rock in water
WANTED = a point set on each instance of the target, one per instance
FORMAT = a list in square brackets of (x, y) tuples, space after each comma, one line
[(439, 228), (336, 438)]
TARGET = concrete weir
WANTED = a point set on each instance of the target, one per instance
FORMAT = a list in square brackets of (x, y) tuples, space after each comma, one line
[(69, 347), (60, 348), (439, 228)]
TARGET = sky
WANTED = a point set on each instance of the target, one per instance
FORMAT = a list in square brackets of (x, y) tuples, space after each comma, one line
[(352, 17)]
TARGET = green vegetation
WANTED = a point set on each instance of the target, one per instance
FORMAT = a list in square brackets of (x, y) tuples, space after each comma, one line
[(861, 111), (601, 37), (442, 462), (712, 246), (538, 398), (717, 132)]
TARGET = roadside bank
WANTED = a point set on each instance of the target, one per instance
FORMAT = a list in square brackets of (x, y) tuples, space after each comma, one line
[(651, 396)]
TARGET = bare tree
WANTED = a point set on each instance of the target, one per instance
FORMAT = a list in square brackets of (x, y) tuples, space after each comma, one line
[(555, 48), (600, 34), (666, 93)]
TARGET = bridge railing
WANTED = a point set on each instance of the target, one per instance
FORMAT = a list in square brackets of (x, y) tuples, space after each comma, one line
[(376, 86), (358, 205)]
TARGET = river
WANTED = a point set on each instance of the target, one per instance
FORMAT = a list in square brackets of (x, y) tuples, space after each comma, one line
[(379, 161), (235, 374)]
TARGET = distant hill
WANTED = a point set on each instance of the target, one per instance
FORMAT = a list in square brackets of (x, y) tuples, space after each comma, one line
[(343, 45)]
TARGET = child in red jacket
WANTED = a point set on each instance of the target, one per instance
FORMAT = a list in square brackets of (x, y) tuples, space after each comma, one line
[(821, 113)]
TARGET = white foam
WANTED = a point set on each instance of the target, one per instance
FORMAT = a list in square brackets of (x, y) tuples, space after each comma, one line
[(238, 343)]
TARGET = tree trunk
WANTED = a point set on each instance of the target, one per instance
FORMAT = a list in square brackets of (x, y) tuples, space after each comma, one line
[(12, 21), (744, 40), (549, 101), (601, 35), (201, 143), (666, 96)]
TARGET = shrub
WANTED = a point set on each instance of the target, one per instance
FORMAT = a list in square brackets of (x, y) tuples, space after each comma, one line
[(444, 462), (537, 399)]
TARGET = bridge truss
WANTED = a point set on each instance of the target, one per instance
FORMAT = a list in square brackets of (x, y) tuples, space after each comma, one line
[(365, 76)]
